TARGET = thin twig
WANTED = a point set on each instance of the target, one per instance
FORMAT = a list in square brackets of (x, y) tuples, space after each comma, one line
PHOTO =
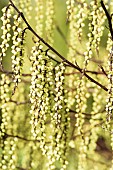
[(67, 74), (19, 103), (87, 71), (104, 72), (19, 137), (109, 18)]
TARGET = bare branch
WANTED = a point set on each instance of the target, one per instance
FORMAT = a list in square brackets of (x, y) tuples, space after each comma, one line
[(56, 52), (19, 137)]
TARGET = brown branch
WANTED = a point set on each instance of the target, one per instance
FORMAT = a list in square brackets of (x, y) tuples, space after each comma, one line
[(73, 111), (87, 71), (11, 72), (67, 74), (56, 52), (20, 168), (104, 72), (19, 103), (109, 18), (87, 115), (19, 137)]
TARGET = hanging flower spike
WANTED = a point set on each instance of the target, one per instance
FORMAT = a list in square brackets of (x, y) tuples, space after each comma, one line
[(70, 5), (95, 117), (35, 88), (65, 131), (4, 96), (8, 156), (96, 27), (109, 100), (49, 21), (112, 150), (27, 8), (17, 50), (39, 94), (5, 35), (60, 118), (81, 16), (71, 17), (39, 17), (59, 70), (96, 18), (81, 105)]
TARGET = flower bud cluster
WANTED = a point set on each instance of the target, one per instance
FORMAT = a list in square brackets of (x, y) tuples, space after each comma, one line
[(8, 145), (96, 26), (109, 100), (82, 161), (72, 39), (12, 156), (8, 154), (81, 16), (65, 132), (95, 116), (70, 5), (77, 13), (17, 50), (81, 104), (6, 26), (4, 97), (60, 115), (96, 18), (49, 25), (25, 7), (72, 47), (109, 43), (50, 155), (57, 117), (39, 17), (39, 93), (112, 150)]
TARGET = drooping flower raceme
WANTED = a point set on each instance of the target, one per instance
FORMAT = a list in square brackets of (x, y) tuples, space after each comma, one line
[(109, 100), (39, 93), (17, 50), (6, 32), (39, 17), (49, 21), (8, 145), (60, 118)]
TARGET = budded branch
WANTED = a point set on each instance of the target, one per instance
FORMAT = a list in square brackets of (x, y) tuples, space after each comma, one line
[(56, 52)]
